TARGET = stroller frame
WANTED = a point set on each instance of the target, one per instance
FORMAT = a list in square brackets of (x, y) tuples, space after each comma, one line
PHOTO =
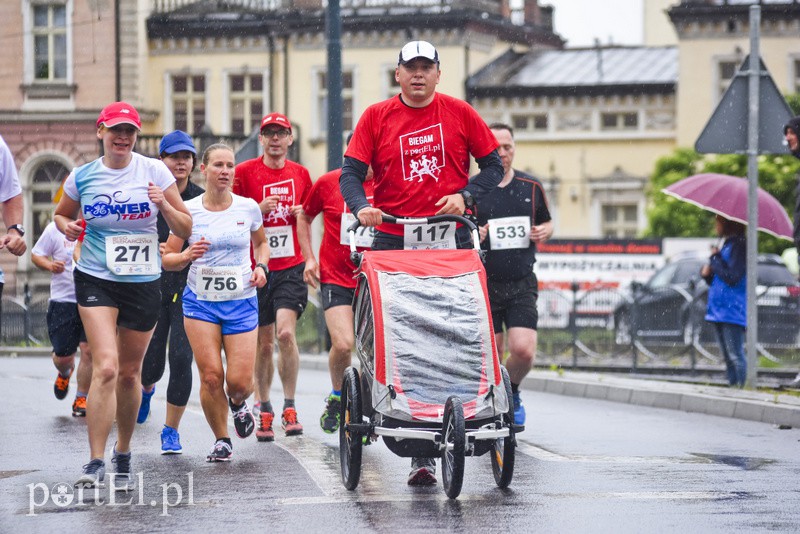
[(488, 427)]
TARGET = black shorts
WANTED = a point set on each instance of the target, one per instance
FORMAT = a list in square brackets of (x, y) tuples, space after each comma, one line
[(64, 327), (284, 289), (513, 303), (138, 302), (335, 295)]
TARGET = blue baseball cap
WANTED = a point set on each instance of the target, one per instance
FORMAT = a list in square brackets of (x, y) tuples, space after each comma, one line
[(175, 142)]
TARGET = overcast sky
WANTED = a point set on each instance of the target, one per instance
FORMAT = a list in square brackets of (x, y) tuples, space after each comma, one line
[(581, 21)]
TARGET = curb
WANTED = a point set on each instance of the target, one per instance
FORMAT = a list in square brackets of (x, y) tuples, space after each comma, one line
[(783, 410)]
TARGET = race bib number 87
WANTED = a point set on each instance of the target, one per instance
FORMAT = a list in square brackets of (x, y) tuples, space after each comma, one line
[(132, 254), (280, 241)]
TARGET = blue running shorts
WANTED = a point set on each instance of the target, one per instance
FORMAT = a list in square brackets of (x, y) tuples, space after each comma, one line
[(234, 316)]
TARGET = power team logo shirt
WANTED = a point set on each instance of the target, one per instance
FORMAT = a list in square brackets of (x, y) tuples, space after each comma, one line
[(121, 242)]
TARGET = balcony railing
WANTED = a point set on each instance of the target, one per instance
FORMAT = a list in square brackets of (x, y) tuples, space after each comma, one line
[(489, 6)]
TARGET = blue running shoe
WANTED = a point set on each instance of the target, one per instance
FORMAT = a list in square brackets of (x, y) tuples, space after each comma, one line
[(519, 410), (170, 441), (144, 409)]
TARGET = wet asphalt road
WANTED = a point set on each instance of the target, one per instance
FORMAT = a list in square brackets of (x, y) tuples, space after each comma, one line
[(582, 466)]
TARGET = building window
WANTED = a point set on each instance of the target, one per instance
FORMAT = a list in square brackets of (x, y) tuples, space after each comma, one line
[(726, 70), (530, 123), (247, 102), (392, 87), (189, 102), (619, 221), (619, 121), (797, 75), (47, 178), (321, 98), (49, 32)]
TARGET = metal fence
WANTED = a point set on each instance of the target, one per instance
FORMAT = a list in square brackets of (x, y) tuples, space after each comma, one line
[(607, 326), (601, 326)]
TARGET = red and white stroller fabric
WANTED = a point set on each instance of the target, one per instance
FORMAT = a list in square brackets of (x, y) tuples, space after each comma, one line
[(433, 333)]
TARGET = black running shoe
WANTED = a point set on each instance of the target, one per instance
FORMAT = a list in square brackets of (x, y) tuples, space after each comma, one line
[(61, 385), (122, 481), (330, 417), (221, 452), (243, 420), (93, 474)]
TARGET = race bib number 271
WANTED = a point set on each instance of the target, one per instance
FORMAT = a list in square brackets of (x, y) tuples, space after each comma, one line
[(132, 254)]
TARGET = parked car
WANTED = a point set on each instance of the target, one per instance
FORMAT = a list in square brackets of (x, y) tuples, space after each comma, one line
[(670, 307)]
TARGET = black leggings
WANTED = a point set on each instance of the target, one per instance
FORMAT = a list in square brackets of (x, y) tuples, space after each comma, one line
[(170, 328)]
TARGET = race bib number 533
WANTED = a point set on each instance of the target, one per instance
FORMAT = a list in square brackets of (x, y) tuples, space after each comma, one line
[(509, 232), (132, 254)]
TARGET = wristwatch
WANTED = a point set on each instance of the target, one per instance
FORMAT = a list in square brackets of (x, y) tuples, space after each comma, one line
[(263, 268), (18, 228), (469, 200)]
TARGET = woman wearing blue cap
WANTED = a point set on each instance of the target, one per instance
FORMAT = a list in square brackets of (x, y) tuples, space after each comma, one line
[(179, 154)]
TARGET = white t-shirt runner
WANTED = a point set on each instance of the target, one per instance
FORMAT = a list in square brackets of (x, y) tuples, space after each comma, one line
[(121, 242), (54, 245), (223, 272)]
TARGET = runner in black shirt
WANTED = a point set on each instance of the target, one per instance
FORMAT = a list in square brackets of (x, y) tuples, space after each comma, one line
[(512, 219)]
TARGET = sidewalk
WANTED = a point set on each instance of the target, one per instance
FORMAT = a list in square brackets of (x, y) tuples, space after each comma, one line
[(777, 409)]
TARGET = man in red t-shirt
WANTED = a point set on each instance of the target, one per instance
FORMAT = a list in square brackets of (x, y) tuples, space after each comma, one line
[(279, 186), (419, 145), (336, 275)]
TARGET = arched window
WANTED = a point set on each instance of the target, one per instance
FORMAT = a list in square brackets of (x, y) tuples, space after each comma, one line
[(47, 179)]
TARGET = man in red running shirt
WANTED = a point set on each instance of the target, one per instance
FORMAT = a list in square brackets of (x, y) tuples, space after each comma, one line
[(419, 145), (279, 186), (335, 273)]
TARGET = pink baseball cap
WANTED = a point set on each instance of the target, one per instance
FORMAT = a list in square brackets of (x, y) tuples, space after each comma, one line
[(275, 118), (119, 113)]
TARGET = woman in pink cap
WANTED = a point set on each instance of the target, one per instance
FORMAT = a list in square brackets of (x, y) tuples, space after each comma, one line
[(120, 196)]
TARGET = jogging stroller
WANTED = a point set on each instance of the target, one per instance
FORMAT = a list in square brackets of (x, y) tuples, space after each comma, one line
[(431, 384)]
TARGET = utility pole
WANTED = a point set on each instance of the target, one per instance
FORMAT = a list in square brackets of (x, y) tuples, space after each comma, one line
[(333, 30)]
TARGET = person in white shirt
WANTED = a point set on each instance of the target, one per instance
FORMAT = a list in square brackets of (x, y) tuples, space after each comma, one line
[(220, 306), (11, 202), (119, 196), (53, 252)]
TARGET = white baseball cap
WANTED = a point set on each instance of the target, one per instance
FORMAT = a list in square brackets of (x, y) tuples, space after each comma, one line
[(416, 49)]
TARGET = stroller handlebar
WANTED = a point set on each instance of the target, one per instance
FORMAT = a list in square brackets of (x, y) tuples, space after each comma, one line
[(355, 256)]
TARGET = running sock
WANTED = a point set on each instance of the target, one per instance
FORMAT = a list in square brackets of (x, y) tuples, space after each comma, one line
[(235, 407), (514, 388), (266, 406), (336, 393), (288, 403), (226, 440), (80, 394)]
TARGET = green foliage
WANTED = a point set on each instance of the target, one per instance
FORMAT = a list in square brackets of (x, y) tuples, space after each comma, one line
[(669, 217), (794, 102)]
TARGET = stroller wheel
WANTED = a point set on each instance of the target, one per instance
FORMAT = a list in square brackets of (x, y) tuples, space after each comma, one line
[(503, 451), (455, 442), (350, 443)]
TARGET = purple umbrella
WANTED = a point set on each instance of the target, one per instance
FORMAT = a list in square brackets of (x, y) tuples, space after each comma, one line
[(727, 196)]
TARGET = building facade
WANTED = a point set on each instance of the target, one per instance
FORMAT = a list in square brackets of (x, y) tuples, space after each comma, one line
[(589, 122)]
